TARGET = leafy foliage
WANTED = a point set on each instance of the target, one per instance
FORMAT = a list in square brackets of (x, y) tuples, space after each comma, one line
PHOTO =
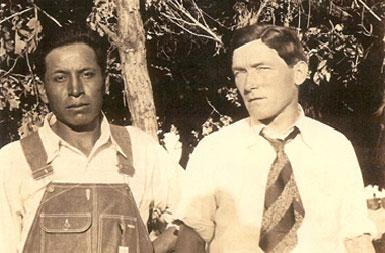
[(20, 107)]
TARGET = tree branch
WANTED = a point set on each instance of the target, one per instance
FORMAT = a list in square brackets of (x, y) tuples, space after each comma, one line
[(48, 15), (189, 31), (260, 9), (370, 10), (16, 14), (10, 70), (213, 107), (177, 11)]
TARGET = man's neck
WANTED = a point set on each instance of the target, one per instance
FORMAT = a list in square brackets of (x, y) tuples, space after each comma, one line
[(281, 125), (83, 140)]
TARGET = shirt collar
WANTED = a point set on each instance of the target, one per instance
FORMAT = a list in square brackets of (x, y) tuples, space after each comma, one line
[(305, 130), (52, 142), (300, 123)]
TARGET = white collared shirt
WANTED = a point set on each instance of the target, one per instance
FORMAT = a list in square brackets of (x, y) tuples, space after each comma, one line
[(223, 195), (157, 177)]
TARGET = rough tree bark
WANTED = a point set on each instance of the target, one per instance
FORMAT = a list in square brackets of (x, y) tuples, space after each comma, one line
[(138, 90)]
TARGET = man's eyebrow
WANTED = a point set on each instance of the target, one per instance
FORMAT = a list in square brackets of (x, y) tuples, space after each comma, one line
[(237, 68), (257, 64), (59, 71), (254, 65), (87, 69)]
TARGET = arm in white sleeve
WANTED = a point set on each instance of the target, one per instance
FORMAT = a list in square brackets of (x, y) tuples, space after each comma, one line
[(167, 182), (355, 221), (197, 207), (9, 222)]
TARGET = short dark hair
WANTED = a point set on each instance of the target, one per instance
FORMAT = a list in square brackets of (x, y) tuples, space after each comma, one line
[(283, 39), (67, 35)]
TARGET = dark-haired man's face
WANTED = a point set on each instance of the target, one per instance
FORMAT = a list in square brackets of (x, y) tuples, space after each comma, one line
[(267, 84), (74, 85)]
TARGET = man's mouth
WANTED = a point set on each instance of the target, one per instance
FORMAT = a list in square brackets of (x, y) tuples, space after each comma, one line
[(255, 99), (77, 106)]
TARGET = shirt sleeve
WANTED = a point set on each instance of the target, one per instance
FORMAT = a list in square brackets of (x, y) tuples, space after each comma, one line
[(355, 220), (198, 205), (9, 222), (160, 175), (166, 182)]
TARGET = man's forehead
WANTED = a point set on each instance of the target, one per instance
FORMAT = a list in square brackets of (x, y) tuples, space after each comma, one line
[(71, 48), (255, 49), (256, 42), (71, 55)]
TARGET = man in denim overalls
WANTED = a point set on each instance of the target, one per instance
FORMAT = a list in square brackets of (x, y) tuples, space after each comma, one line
[(67, 188)]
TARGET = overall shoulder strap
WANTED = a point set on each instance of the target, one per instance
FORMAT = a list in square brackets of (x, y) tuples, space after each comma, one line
[(122, 138), (36, 156)]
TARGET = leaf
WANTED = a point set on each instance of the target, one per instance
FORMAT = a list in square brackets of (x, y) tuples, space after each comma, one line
[(317, 78), (23, 33), (326, 73), (32, 45), (322, 64), (20, 44), (35, 26), (14, 103), (3, 51), (2, 105)]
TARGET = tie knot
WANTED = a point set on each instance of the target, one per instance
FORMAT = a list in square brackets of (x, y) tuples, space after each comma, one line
[(278, 144)]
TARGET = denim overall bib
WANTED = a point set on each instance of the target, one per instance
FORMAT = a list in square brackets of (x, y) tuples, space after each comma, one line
[(85, 218)]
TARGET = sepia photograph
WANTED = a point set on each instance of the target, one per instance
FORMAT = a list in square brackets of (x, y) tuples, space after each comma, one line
[(192, 126)]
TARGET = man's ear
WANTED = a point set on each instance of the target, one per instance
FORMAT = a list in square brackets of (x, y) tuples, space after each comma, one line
[(300, 72)]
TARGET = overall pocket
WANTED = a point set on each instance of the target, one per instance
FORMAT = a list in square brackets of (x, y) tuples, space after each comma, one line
[(118, 233), (68, 232)]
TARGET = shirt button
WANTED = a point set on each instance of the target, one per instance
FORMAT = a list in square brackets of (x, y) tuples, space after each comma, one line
[(67, 225)]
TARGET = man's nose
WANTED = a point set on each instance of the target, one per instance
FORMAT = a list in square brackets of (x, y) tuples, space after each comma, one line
[(252, 81), (75, 87)]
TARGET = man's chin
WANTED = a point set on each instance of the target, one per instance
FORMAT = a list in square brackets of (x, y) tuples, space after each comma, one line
[(80, 124), (83, 127), (262, 119)]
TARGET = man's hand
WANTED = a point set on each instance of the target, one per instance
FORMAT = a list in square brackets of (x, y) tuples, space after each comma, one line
[(359, 244), (166, 241), (189, 241)]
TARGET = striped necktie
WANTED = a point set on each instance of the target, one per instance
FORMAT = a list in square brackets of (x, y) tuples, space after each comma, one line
[(283, 211)]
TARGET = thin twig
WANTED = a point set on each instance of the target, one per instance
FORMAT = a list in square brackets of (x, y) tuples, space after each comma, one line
[(174, 21), (15, 14), (193, 33), (180, 7), (176, 18), (216, 21), (308, 15), (299, 19), (261, 7), (28, 64), (370, 10), (10, 70), (200, 14), (48, 15), (213, 107), (14, 74)]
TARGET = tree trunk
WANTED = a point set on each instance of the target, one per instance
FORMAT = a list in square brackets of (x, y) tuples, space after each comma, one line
[(138, 90)]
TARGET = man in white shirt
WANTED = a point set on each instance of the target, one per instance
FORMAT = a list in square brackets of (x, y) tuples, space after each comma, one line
[(276, 181), (80, 184)]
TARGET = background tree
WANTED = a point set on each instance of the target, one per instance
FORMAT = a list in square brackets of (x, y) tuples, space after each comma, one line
[(122, 22)]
